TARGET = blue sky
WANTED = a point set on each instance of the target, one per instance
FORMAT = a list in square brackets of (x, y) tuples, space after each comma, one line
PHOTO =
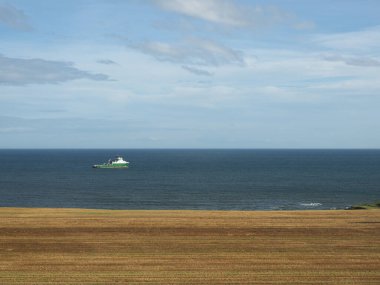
[(189, 74)]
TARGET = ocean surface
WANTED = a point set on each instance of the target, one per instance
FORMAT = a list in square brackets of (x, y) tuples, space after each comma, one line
[(190, 179)]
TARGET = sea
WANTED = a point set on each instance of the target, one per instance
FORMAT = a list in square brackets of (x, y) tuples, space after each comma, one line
[(204, 179)]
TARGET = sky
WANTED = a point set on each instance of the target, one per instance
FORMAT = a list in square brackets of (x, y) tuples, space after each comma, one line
[(189, 74)]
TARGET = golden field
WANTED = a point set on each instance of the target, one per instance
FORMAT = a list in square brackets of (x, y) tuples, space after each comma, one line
[(76, 246)]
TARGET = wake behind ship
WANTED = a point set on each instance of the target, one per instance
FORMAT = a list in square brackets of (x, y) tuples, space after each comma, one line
[(118, 162)]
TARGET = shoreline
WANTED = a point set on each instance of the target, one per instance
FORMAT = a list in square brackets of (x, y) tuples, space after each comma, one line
[(366, 206)]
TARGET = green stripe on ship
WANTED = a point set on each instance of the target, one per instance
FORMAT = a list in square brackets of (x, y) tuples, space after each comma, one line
[(111, 166)]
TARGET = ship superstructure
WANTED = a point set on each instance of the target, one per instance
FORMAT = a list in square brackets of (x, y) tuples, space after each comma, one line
[(117, 162)]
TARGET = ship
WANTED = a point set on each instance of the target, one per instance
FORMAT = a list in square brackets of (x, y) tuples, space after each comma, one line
[(117, 162)]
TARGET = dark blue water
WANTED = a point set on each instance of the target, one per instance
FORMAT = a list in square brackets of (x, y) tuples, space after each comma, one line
[(191, 179)]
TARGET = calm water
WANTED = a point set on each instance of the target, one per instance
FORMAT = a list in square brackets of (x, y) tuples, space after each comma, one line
[(190, 179)]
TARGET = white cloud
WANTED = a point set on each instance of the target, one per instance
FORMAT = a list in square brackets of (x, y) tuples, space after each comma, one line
[(14, 18), (357, 87), (17, 71), (106, 61), (355, 61), (193, 51), (367, 40), (196, 71), (226, 12), (223, 12), (12, 130)]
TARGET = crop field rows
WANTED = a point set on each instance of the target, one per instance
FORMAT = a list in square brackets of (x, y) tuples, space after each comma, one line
[(76, 246)]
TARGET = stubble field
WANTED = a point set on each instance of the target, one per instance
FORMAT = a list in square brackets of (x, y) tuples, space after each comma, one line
[(76, 246)]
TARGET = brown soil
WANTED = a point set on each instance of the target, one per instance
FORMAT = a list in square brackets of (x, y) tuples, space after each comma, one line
[(75, 246)]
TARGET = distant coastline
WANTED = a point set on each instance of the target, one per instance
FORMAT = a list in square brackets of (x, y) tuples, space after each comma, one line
[(371, 206)]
